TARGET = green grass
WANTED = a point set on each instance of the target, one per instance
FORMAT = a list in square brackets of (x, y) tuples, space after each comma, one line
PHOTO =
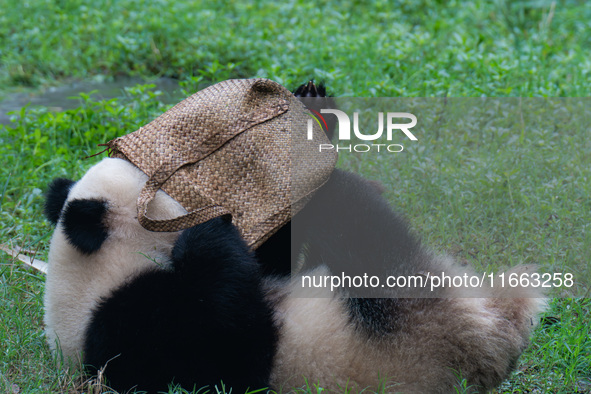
[(496, 182), (361, 48), (490, 198), (559, 359)]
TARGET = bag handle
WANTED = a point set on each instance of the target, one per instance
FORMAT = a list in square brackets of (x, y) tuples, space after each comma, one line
[(148, 193)]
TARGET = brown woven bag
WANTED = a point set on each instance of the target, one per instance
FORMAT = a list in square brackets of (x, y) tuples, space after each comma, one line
[(238, 147)]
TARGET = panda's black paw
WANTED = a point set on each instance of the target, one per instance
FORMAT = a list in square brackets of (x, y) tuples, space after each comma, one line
[(208, 235), (314, 97), (216, 241), (310, 89)]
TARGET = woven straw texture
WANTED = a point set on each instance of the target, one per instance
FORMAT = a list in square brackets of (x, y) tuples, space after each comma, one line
[(228, 149)]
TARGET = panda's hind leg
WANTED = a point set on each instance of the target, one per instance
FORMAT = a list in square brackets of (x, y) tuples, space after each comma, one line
[(202, 322)]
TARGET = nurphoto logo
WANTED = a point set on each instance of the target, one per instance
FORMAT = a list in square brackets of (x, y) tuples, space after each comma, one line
[(344, 131)]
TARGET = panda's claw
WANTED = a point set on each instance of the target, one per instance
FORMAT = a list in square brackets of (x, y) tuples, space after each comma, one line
[(314, 97)]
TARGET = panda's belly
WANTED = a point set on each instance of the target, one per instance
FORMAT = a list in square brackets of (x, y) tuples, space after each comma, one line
[(319, 344)]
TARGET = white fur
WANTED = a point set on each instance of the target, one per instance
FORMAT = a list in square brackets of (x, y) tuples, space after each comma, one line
[(76, 282)]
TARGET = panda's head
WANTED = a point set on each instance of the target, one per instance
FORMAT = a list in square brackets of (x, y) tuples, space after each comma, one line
[(102, 206), (98, 244)]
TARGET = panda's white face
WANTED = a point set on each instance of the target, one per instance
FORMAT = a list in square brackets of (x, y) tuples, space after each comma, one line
[(97, 245)]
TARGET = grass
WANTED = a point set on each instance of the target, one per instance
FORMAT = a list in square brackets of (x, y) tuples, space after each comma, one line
[(487, 188), (491, 197), (558, 361), (361, 48)]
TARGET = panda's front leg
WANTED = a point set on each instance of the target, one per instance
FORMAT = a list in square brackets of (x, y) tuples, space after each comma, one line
[(211, 248), (200, 323)]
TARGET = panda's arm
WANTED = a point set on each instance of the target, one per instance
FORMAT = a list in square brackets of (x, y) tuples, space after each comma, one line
[(202, 322)]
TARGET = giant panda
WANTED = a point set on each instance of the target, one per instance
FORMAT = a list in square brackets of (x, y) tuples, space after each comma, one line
[(199, 308)]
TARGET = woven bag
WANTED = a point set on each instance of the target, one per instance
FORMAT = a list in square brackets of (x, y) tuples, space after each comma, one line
[(239, 147)]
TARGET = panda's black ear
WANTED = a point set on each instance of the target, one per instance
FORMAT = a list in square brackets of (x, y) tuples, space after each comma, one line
[(55, 197), (84, 224)]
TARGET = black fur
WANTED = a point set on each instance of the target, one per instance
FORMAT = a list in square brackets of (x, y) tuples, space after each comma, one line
[(55, 197), (202, 322), (84, 224), (277, 253), (377, 316)]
